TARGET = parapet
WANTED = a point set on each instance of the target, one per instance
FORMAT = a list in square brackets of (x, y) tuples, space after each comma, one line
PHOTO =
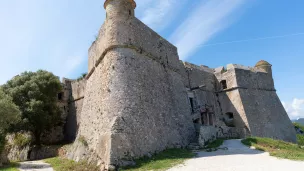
[(262, 63), (242, 67), (131, 1)]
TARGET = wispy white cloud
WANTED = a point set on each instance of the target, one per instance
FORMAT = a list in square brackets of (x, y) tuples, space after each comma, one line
[(207, 19), (158, 14), (295, 109), (50, 35)]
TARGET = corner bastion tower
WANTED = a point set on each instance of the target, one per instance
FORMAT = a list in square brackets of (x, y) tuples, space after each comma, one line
[(135, 102), (139, 98)]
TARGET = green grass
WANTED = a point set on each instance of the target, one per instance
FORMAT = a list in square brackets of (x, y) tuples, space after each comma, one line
[(300, 140), (161, 161), (10, 167), (300, 137), (60, 164), (276, 148)]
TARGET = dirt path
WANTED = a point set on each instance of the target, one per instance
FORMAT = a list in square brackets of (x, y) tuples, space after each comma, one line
[(35, 166), (238, 157)]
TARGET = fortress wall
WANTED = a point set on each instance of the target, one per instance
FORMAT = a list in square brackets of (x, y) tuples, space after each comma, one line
[(230, 76), (266, 115), (123, 104), (132, 33), (156, 109), (231, 102), (77, 89), (197, 76), (208, 99), (97, 48), (256, 107), (101, 106), (75, 93), (254, 80), (134, 92)]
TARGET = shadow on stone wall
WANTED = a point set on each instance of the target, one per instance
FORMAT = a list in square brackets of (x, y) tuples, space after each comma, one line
[(230, 116), (71, 126)]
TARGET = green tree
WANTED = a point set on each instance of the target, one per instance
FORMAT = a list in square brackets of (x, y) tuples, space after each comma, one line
[(9, 115), (35, 93)]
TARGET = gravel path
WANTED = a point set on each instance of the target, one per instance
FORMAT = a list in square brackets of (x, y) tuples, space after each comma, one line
[(35, 166), (238, 157)]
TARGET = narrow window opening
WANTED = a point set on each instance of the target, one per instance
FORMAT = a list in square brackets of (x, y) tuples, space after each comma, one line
[(60, 96), (224, 84), (130, 12), (210, 119), (191, 103)]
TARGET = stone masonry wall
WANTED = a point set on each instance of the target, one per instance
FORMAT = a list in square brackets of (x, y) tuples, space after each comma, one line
[(207, 98), (252, 98), (76, 89), (133, 92)]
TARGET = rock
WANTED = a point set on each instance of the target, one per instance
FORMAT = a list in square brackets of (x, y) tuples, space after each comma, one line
[(112, 168), (206, 134)]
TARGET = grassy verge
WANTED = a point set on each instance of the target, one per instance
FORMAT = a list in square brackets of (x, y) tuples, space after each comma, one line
[(161, 161), (300, 137), (276, 148), (60, 164), (300, 140), (10, 167)]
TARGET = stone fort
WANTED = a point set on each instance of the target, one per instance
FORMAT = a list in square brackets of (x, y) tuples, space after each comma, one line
[(138, 98)]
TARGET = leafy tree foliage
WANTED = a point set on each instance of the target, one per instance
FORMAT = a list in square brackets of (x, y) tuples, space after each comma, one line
[(9, 115), (35, 93)]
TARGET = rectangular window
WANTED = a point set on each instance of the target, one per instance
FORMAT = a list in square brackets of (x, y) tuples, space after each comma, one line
[(224, 84)]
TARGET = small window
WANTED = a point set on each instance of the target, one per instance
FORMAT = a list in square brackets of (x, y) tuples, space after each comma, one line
[(229, 119), (230, 115), (60, 95), (191, 103), (224, 84), (130, 12)]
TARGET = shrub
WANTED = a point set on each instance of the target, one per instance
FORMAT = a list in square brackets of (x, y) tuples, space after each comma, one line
[(21, 140), (36, 93), (9, 116)]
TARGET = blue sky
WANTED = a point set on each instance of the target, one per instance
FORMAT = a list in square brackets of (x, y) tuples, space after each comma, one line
[(55, 35)]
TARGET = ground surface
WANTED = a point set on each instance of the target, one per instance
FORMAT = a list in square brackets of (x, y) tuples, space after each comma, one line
[(238, 157), (35, 166)]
